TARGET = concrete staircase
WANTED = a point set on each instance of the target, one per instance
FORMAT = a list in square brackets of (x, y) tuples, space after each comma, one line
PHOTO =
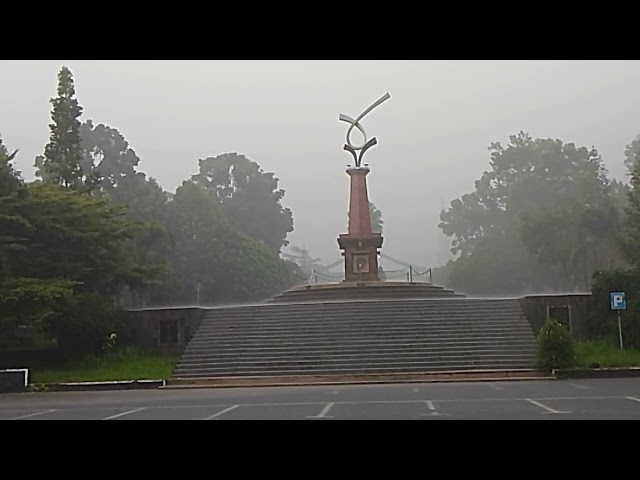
[(349, 338)]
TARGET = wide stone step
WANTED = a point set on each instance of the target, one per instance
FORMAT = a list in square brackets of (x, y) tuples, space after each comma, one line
[(345, 353), (339, 349), (371, 333), (343, 334), (336, 333), (346, 348), (390, 355), (342, 343), (386, 317), (322, 356), (441, 322), (421, 328), (354, 308), (355, 339), (283, 375), (412, 344), (364, 311), (349, 342), (205, 355), (320, 326), (384, 357), (346, 370), (315, 317), (401, 303), (352, 365), (351, 369), (373, 320), (349, 324), (257, 351)]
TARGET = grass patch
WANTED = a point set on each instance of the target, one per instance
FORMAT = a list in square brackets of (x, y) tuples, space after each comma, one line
[(606, 354), (30, 344), (122, 364)]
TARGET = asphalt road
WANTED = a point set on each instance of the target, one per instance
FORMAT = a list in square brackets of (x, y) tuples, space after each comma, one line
[(528, 400)]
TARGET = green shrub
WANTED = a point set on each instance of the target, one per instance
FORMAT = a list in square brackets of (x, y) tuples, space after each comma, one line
[(88, 327), (555, 346)]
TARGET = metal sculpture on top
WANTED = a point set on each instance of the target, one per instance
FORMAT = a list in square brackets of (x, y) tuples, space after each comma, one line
[(349, 147)]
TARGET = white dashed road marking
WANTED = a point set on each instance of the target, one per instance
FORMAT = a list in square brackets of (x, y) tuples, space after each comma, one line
[(433, 412), (219, 414), (583, 387), (29, 415), (542, 405), (325, 410), (128, 412), (432, 408)]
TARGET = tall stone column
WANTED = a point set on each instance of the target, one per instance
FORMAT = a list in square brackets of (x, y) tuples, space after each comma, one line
[(360, 245)]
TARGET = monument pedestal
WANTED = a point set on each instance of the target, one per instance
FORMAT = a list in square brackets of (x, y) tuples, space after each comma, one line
[(360, 256), (360, 245)]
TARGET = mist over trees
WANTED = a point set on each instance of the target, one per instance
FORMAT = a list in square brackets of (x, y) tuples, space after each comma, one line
[(377, 224), (626, 279), (544, 218), (249, 198), (93, 234)]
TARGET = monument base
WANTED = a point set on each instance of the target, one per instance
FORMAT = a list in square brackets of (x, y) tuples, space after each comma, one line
[(360, 254), (363, 291)]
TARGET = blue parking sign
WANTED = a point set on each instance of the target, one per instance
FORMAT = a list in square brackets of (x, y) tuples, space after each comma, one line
[(618, 301)]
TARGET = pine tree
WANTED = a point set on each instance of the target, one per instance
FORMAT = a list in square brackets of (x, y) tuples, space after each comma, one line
[(9, 177), (63, 154)]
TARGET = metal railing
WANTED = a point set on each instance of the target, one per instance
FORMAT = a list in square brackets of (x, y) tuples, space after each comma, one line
[(410, 274)]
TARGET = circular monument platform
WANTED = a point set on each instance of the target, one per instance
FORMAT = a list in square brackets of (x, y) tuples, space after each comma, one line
[(377, 290)]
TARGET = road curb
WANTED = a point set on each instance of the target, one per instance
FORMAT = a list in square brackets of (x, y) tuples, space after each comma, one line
[(373, 382), (99, 386), (567, 373), (318, 380)]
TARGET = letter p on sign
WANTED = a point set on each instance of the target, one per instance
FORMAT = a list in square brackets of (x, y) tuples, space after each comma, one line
[(618, 301)]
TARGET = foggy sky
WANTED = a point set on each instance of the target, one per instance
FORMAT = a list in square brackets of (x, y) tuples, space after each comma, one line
[(433, 135)]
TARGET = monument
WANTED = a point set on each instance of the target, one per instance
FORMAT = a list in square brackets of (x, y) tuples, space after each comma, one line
[(360, 245), (361, 329)]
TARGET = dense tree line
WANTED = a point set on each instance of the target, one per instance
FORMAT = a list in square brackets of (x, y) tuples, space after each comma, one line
[(93, 234), (602, 320), (544, 218)]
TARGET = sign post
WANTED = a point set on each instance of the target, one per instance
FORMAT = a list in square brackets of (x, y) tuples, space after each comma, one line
[(619, 303)]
